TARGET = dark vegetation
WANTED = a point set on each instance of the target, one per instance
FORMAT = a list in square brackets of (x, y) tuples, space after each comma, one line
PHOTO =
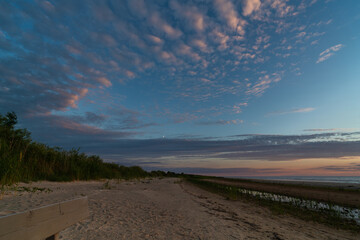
[(23, 160), (329, 217)]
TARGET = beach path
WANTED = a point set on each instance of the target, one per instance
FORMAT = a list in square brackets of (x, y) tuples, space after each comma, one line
[(166, 209)]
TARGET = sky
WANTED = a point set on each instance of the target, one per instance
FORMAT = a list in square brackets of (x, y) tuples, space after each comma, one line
[(216, 87)]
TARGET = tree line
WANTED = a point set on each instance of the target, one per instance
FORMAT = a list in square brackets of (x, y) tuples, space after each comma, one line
[(23, 160)]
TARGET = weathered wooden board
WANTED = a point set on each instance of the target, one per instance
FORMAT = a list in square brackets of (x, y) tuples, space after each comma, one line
[(43, 222)]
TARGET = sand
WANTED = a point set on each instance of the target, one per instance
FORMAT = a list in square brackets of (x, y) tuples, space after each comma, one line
[(166, 209)]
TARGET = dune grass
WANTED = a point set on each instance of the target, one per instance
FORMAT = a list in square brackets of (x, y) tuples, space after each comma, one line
[(23, 160)]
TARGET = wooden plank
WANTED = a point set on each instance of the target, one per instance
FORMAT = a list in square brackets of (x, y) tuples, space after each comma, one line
[(33, 217), (43, 222), (36, 216)]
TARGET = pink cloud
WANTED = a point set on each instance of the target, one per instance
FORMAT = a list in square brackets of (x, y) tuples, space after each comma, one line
[(282, 9), (250, 6), (155, 39), (220, 38), (74, 98), (104, 81), (191, 14), (226, 10), (201, 44), (162, 25), (222, 122), (204, 80), (264, 83), (186, 50)]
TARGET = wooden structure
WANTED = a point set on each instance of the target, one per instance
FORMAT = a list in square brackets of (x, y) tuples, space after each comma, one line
[(43, 223)]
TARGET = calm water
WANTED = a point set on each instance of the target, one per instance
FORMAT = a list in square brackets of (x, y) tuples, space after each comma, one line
[(338, 179)]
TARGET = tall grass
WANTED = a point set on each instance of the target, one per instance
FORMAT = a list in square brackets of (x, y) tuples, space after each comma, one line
[(22, 159)]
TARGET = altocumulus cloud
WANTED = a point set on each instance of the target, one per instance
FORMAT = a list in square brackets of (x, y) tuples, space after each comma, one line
[(296, 110), (326, 54)]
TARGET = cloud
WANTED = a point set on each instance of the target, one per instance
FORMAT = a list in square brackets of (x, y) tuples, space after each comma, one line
[(201, 44), (330, 130), (162, 25), (104, 81), (155, 39), (138, 8), (237, 108), (329, 52), (51, 60), (263, 83), (245, 147), (341, 169), (73, 131), (250, 6), (222, 122), (74, 98), (221, 171), (220, 38), (227, 12), (296, 110), (186, 50), (301, 34), (193, 17), (282, 9), (90, 118)]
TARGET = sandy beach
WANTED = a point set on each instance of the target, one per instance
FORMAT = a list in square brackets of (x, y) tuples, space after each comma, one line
[(165, 209)]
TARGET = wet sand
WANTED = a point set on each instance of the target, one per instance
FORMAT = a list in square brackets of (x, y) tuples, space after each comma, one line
[(166, 209)]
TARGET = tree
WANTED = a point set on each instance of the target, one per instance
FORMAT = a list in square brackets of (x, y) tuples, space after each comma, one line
[(10, 120)]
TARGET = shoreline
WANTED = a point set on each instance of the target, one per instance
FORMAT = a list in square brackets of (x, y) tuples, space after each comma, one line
[(327, 184)]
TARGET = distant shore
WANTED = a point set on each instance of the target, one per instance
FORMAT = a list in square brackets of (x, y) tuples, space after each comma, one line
[(167, 208), (340, 185)]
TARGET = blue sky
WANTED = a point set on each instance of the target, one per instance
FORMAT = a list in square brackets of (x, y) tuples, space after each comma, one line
[(203, 86)]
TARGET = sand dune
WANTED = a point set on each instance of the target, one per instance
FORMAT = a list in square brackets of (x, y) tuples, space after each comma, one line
[(166, 209)]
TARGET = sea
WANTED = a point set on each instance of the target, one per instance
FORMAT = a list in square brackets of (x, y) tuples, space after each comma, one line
[(325, 179)]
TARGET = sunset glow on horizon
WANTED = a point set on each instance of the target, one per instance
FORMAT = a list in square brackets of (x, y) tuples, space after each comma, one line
[(214, 87)]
